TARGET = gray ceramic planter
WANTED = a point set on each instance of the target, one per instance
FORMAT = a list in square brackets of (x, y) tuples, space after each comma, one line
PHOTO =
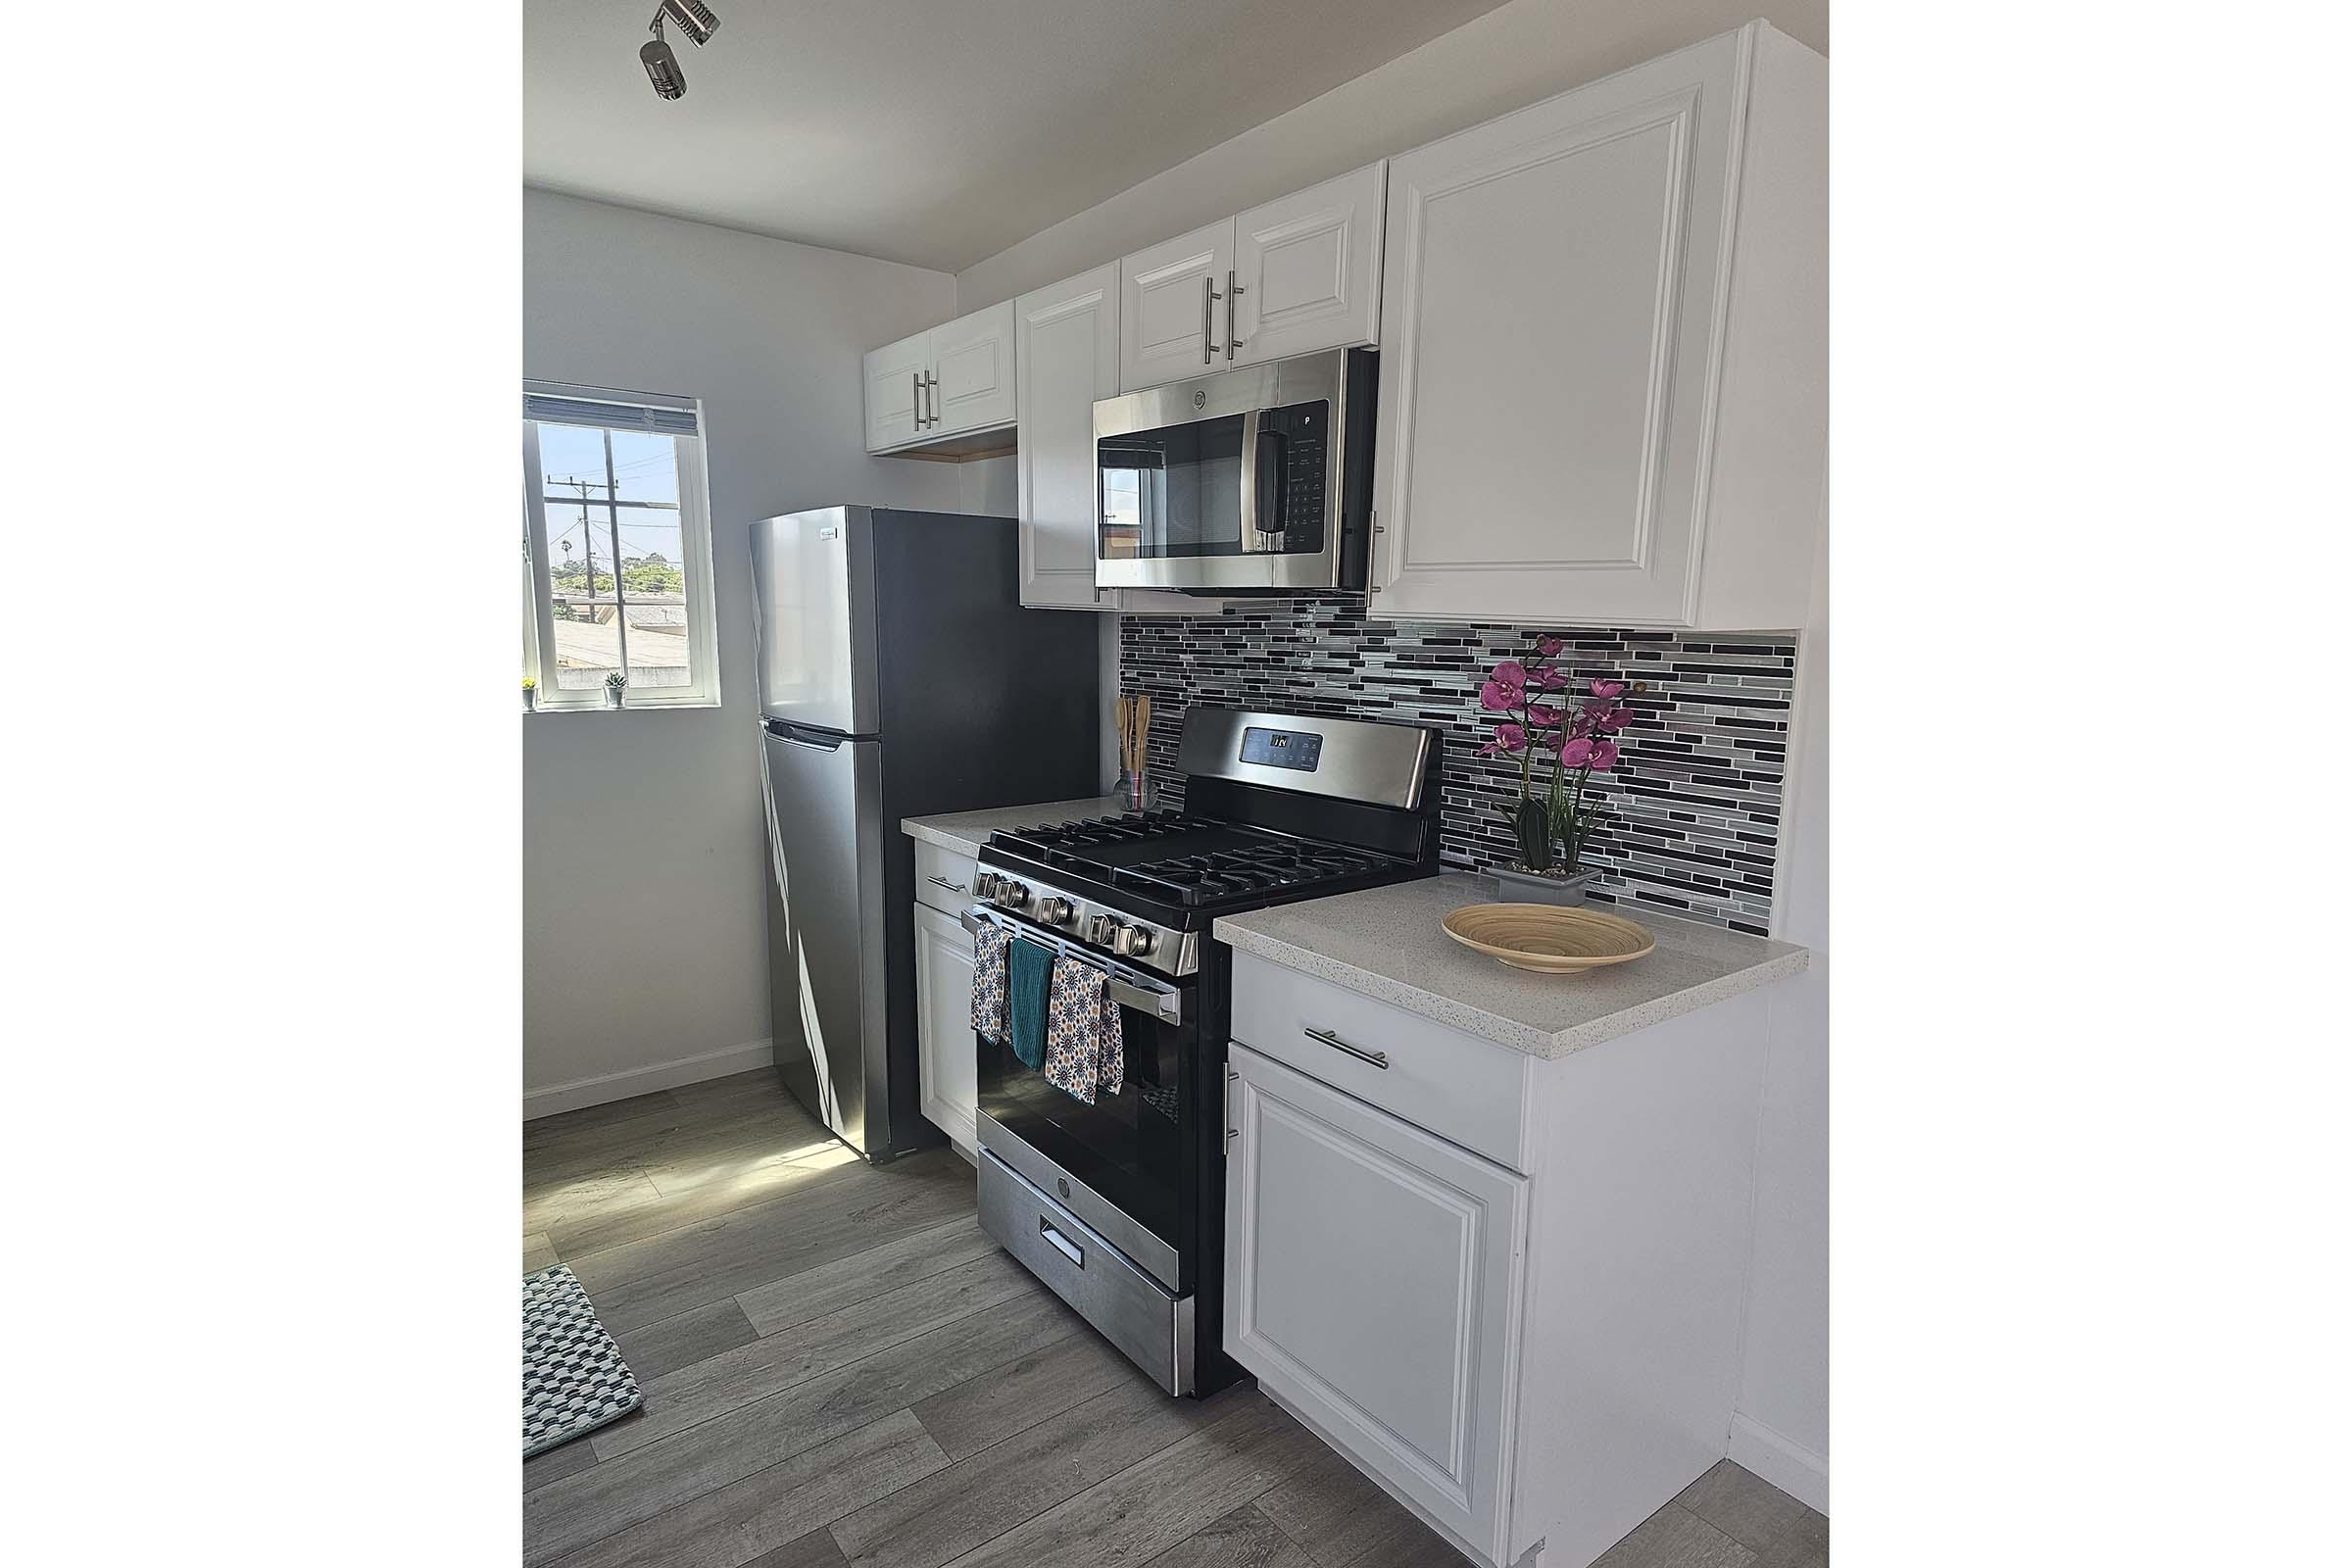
[(1513, 886)]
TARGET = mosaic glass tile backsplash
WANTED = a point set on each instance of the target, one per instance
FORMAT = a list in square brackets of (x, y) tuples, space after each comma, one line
[(1691, 812)]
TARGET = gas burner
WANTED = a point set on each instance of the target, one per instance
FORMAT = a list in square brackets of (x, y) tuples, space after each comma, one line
[(1190, 861)]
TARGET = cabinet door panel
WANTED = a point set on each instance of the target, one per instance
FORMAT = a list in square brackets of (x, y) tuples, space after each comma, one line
[(1164, 304), (943, 987), (1068, 357), (1372, 1278), (973, 360), (890, 375), (1308, 267), (1550, 333)]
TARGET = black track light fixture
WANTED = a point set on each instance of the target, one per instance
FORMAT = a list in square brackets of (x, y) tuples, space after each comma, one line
[(695, 20)]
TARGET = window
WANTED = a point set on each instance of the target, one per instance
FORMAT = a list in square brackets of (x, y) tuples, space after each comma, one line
[(616, 550)]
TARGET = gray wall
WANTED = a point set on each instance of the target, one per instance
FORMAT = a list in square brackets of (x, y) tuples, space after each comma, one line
[(644, 911)]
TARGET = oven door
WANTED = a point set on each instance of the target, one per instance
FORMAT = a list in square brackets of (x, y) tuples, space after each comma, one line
[(1228, 481), (1118, 1165)]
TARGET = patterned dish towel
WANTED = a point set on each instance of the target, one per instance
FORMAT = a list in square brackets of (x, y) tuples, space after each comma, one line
[(1086, 1051), (988, 982)]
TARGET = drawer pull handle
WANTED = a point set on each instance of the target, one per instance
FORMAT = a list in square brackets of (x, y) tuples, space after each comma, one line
[(943, 882), (1378, 1059), (1059, 1242)]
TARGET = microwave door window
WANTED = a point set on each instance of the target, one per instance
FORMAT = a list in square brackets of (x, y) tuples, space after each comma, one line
[(1126, 483), (1173, 493)]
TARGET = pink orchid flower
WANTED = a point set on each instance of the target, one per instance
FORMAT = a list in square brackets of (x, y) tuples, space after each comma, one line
[(1613, 721), (1496, 697), (1551, 681), (1550, 646), (1511, 673), (1576, 751), (1507, 738), (1604, 756), (1543, 717), (1608, 690)]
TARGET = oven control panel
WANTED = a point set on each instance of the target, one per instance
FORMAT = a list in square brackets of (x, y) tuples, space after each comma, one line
[(1282, 748), (1154, 947)]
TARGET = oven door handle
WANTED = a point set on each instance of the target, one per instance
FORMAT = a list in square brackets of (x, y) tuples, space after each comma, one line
[(1167, 1008), (1165, 1005)]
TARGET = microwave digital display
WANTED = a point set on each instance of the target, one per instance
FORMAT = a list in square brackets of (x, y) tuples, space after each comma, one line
[(1282, 748)]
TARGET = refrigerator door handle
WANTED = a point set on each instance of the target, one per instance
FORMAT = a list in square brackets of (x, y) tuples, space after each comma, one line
[(775, 840), (795, 738)]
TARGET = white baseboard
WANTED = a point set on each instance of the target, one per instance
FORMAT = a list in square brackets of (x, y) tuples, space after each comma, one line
[(611, 1086), (1790, 1467)]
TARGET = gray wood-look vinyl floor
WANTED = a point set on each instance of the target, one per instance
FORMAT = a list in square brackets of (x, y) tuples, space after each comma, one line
[(840, 1369)]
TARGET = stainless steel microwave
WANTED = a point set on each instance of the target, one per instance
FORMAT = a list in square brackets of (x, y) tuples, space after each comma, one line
[(1256, 480)]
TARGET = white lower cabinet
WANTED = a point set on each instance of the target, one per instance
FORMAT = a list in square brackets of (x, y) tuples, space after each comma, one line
[(1532, 1342), (1372, 1284), (943, 1002)]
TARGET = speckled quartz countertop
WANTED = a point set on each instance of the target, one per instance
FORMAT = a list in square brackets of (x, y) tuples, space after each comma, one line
[(1387, 944), (966, 831)]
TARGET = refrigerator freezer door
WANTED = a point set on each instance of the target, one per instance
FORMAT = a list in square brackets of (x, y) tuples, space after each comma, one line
[(812, 597), (825, 947)]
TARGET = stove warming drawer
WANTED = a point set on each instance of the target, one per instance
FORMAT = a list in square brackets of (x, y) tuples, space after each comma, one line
[(1128, 1306)]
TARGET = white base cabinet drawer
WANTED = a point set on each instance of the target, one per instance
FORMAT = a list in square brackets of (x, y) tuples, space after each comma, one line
[(1471, 1091), (1373, 1283), (943, 878)]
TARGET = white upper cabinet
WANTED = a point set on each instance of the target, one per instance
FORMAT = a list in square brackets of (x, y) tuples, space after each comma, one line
[(948, 381), (972, 371), (1603, 352), (1067, 338), (1293, 277), (894, 391), (1306, 270), (1172, 308), (1067, 348)]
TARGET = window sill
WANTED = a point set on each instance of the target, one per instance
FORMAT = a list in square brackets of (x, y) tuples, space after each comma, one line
[(631, 707)]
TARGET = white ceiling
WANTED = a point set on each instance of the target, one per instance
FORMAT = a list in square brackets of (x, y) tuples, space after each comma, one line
[(932, 132)]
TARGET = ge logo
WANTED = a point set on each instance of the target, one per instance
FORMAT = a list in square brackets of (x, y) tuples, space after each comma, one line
[(1200, 400)]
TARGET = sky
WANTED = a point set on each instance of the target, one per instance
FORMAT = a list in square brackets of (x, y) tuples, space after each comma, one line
[(645, 467)]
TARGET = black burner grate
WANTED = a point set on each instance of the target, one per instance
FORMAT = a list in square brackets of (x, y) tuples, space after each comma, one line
[(1190, 860)]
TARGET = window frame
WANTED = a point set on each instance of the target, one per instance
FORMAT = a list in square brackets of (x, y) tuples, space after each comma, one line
[(694, 545)]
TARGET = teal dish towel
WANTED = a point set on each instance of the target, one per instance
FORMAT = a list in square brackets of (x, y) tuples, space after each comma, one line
[(1029, 977)]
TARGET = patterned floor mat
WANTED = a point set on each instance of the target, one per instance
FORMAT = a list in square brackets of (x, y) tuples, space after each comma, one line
[(573, 1379)]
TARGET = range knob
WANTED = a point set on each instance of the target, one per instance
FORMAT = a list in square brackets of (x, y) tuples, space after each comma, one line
[(1131, 941), (1054, 910), (1098, 929), (1010, 894), (984, 884)]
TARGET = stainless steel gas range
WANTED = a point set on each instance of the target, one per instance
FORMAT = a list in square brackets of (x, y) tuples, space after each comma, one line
[(1119, 1205)]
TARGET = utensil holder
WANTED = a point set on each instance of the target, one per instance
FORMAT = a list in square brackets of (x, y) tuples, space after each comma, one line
[(1138, 790)]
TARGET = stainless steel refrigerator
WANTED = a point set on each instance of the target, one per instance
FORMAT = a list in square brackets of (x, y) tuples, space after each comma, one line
[(898, 676)]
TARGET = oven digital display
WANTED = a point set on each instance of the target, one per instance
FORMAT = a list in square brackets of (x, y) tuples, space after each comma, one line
[(1282, 748)]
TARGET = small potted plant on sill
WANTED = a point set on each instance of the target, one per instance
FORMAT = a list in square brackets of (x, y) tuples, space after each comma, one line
[(531, 695), (617, 688), (1580, 744)]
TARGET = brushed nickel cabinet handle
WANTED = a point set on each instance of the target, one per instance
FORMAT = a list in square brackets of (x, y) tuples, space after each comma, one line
[(1233, 291), (1378, 1059), (943, 882), (916, 378), (1209, 318)]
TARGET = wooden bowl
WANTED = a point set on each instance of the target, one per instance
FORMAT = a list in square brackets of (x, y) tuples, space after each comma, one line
[(1547, 938)]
